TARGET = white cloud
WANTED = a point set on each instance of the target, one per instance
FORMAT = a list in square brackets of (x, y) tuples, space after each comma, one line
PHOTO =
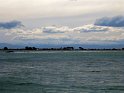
[(56, 29), (64, 35), (91, 28)]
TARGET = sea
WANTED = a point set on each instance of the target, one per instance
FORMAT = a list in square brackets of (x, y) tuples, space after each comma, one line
[(62, 72)]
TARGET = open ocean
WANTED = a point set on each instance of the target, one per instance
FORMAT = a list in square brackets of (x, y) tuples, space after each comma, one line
[(62, 72)]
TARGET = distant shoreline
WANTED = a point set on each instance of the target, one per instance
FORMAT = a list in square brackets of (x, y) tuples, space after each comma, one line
[(18, 50), (26, 49)]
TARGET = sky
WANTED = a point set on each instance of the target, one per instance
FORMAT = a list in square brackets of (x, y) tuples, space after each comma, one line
[(62, 22)]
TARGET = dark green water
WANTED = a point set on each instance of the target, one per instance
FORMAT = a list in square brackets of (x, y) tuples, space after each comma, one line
[(62, 72)]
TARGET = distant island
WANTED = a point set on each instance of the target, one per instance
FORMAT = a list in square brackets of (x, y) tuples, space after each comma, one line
[(59, 49)]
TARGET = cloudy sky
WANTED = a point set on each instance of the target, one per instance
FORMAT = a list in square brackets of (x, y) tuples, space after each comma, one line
[(99, 22)]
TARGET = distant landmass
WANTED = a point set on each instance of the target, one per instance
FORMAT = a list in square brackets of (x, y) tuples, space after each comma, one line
[(2, 45)]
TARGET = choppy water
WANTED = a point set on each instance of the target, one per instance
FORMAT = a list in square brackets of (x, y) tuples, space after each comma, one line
[(62, 72)]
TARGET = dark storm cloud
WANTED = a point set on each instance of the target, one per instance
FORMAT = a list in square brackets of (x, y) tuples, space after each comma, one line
[(10, 25), (117, 21)]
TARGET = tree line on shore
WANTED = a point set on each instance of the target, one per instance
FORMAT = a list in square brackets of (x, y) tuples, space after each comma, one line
[(62, 48)]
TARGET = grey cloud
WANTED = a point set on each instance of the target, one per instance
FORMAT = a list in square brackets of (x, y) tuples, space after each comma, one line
[(91, 28), (51, 30), (117, 21), (10, 25), (55, 29)]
